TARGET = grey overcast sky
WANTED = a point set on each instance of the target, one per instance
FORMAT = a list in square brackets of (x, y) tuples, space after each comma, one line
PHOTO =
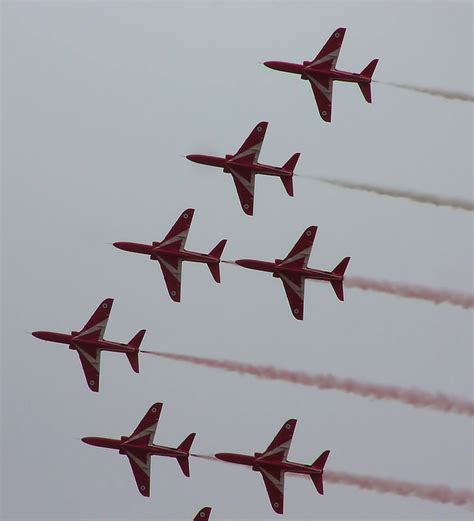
[(99, 101)]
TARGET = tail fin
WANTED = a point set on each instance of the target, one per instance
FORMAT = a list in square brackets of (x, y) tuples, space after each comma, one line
[(317, 479), (135, 343), (214, 266), (365, 87), (339, 270), (183, 461), (290, 166)]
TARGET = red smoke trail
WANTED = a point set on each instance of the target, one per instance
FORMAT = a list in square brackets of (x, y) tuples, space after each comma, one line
[(452, 202), (460, 96), (437, 296), (436, 493), (414, 397)]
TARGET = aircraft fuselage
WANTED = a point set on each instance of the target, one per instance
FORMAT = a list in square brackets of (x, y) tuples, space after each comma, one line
[(255, 461), (121, 445), (75, 340), (155, 252), (305, 71), (228, 163), (277, 269)]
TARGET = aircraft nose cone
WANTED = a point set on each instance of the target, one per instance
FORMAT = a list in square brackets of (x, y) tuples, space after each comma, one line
[(271, 64), (39, 334), (87, 440)]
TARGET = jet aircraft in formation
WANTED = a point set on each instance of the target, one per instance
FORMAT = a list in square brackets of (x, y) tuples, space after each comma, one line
[(322, 72), (273, 463), (139, 448), (293, 271), (89, 343), (170, 253), (244, 165)]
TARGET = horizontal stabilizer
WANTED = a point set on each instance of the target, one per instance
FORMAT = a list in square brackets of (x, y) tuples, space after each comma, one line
[(137, 339), (340, 269), (317, 479), (184, 464), (291, 163), (133, 359), (288, 184), (185, 446), (369, 70), (321, 460), (366, 91), (214, 267)]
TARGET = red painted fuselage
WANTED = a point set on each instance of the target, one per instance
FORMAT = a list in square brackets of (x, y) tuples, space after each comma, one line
[(306, 71), (121, 445), (277, 269), (254, 461), (75, 340), (154, 251), (229, 161)]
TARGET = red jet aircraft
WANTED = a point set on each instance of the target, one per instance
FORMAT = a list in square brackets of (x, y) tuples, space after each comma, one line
[(170, 253), (272, 464), (89, 342), (244, 165), (203, 514), (139, 448), (293, 271), (322, 72)]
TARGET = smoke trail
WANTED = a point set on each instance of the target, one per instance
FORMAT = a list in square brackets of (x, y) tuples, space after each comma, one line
[(451, 202), (460, 96), (436, 493), (415, 397), (437, 296)]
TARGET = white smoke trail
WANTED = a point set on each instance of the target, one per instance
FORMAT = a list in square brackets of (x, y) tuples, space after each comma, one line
[(412, 396), (460, 96), (452, 202), (435, 295)]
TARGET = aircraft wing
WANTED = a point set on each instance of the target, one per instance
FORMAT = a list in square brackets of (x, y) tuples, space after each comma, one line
[(322, 90), (176, 238), (171, 268), (252, 145), (280, 445), (245, 184), (274, 480), (95, 327), (145, 430), (328, 55), (301, 251), (141, 468), (294, 288), (90, 360), (203, 514)]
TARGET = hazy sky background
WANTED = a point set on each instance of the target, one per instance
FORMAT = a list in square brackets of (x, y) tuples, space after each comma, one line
[(100, 99)]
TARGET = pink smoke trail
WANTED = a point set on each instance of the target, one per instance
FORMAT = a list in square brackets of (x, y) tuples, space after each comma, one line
[(435, 493), (437, 296), (460, 96), (414, 397), (452, 202)]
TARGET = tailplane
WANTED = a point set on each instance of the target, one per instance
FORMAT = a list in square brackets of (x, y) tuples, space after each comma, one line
[(214, 266), (339, 270), (183, 461), (135, 343), (290, 166), (317, 479), (365, 87)]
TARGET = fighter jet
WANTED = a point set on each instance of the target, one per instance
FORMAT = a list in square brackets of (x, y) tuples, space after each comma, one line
[(203, 514), (170, 253), (139, 448), (244, 165), (272, 464), (293, 271), (322, 72), (89, 342)]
